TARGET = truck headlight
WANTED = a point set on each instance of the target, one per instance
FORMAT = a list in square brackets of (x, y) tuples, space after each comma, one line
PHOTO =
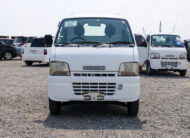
[(128, 69), (59, 69), (155, 56), (183, 56)]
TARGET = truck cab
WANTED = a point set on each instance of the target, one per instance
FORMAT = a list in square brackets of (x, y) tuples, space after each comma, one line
[(93, 59), (166, 52)]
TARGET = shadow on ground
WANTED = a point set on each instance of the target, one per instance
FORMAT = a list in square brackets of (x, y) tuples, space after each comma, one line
[(36, 65), (164, 74), (93, 116)]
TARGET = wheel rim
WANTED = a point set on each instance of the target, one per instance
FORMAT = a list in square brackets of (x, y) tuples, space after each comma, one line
[(8, 55)]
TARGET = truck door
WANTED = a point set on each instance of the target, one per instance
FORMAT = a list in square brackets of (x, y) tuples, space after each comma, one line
[(142, 49)]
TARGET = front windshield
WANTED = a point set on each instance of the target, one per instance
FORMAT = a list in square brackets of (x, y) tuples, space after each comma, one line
[(166, 41), (94, 31)]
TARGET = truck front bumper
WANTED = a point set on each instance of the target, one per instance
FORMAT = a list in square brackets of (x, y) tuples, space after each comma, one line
[(160, 64), (72, 88)]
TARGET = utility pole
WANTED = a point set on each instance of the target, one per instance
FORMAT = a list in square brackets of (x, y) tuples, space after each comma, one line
[(160, 29), (143, 30)]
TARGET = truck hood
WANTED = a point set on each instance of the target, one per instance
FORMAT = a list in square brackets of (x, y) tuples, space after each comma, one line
[(110, 58), (166, 52)]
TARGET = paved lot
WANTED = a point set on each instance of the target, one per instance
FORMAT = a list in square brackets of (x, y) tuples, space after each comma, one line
[(164, 108)]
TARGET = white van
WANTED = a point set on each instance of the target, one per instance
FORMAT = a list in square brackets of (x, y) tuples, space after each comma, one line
[(94, 59), (36, 51), (164, 52)]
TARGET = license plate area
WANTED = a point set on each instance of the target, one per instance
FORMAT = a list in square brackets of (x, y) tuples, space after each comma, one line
[(93, 96), (169, 64), (33, 51)]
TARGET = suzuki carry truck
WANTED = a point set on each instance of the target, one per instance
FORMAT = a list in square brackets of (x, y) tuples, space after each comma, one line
[(165, 52), (93, 59)]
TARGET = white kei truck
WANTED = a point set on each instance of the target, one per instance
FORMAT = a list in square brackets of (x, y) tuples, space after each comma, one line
[(93, 59), (36, 51), (162, 52)]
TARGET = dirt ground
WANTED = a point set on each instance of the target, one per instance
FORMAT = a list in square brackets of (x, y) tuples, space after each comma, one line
[(164, 108)]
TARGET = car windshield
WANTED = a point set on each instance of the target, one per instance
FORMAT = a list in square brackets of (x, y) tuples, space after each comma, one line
[(6, 42), (94, 31), (19, 40), (38, 42), (166, 41)]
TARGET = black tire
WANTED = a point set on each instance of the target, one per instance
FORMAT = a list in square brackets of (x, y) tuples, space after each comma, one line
[(54, 107), (182, 72), (28, 63), (8, 55), (133, 108), (149, 70)]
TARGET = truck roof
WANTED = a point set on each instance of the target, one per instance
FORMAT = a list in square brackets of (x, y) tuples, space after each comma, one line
[(163, 34), (95, 16)]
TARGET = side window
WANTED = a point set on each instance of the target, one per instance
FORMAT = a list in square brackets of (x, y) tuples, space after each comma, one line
[(141, 42), (2, 42)]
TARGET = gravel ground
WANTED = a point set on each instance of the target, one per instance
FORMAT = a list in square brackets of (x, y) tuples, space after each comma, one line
[(164, 108)]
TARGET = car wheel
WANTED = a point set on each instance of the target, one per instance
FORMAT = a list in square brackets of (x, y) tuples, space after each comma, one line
[(182, 72), (54, 107), (133, 108), (149, 70), (8, 56), (28, 63)]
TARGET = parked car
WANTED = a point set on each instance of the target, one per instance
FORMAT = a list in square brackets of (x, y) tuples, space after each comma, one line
[(19, 42), (187, 45), (7, 51), (164, 52), (94, 59), (36, 51)]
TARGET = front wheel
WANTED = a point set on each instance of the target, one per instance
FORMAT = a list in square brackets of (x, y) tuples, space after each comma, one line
[(54, 107), (182, 72), (149, 70), (28, 63), (8, 56), (133, 108)]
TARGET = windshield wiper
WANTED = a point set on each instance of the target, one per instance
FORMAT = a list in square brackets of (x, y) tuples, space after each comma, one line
[(120, 42), (87, 42), (123, 42), (166, 45)]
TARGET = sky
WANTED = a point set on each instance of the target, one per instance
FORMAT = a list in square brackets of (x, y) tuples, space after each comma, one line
[(40, 17)]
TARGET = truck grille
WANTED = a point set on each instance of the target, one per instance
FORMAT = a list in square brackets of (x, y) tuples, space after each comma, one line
[(94, 74), (105, 88), (165, 64), (169, 58)]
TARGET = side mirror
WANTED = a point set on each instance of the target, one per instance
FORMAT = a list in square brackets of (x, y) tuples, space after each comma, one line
[(48, 40)]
